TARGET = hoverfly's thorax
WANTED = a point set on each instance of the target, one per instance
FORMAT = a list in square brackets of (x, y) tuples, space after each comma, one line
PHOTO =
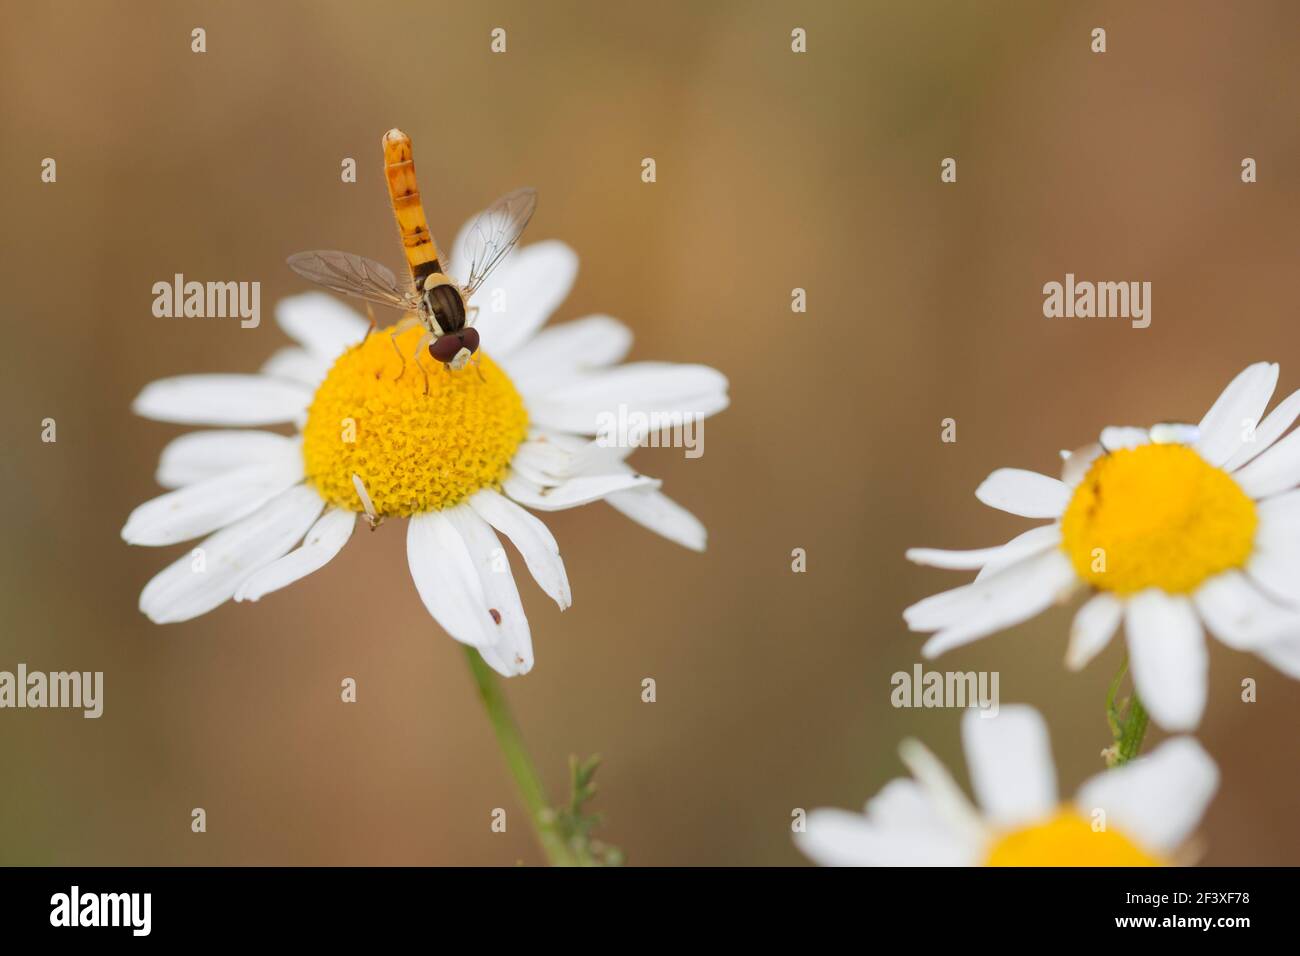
[(443, 301)]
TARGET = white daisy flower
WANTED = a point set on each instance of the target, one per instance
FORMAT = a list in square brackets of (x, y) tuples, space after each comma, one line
[(1169, 528), (1140, 814), (459, 461)]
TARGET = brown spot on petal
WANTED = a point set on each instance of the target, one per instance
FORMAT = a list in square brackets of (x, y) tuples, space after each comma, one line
[(496, 615)]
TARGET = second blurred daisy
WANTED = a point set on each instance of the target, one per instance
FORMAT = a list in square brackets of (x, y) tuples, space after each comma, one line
[(1172, 528), (1137, 815)]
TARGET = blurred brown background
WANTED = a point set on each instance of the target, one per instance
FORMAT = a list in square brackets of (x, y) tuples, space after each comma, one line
[(775, 170)]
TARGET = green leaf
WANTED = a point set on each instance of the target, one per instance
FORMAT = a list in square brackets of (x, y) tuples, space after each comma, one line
[(576, 825)]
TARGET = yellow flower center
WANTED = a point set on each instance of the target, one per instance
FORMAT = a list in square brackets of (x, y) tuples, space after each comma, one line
[(1067, 839), (413, 451), (1156, 516)]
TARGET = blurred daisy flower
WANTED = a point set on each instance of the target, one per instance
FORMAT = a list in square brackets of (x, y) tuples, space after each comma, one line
[(459, 454), (1170, 528), (1140, 814)]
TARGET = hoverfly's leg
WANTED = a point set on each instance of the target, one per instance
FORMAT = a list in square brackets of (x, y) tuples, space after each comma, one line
[(370, 313), (470, 315), (404, 323), (425, 339), (392, 337), (474, 362)]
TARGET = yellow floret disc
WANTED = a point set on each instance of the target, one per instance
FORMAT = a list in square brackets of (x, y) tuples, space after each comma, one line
[(1157, 516), (413, 451), (1068, 839)]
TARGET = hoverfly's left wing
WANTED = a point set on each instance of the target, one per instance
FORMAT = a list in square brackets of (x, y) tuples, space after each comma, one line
[(495, 232), (352, 275)]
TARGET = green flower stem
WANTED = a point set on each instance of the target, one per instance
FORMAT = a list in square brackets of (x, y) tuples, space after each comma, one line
[(517, 760)]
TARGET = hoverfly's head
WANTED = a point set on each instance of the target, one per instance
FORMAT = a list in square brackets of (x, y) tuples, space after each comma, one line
[(455, 348)]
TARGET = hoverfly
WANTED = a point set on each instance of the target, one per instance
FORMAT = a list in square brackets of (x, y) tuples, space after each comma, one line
[(438, 301)]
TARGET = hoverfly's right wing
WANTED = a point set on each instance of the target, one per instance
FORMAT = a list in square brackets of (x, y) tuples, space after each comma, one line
[(494, 233), (352, 275)]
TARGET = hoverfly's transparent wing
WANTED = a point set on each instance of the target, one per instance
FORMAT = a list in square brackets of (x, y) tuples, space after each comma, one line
[(352, 275), (494, 233)]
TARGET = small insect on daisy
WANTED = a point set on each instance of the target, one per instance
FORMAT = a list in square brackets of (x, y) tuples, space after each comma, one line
[(438, 301)]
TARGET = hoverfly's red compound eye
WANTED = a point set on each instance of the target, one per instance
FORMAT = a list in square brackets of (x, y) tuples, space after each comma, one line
[(445, 347), (469, 337)]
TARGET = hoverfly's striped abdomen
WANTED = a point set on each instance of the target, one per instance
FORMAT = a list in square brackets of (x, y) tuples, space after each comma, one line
[(417, 242)]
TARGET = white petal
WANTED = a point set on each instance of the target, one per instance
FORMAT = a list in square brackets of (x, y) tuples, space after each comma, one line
[(461, 573), (321, 323), (523, 466), (1156, 800), (904, 803), (556, 354), (195, 456), (447, 579), (534, 540), (1115, 437), (325, 540), (951, 606), (1270, 430), (999, 601), (1024, 493), (1031, 542), (512, 642), (544, 461), (222, 400), (1281, 510), (579, 490), (209, 575), (527, 287), (662, 392), (1275, 470), (1236, 412), (942, 793), (654, 510), (210, 504), (1174, 433), (1169, 659), (1239, 615), (496, 659), (1277, 573), (1010, 761), (1283, 654), (551, 458), (1094, 625), (297, 365), (840, 838), (969, 560), (1075, 464)]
